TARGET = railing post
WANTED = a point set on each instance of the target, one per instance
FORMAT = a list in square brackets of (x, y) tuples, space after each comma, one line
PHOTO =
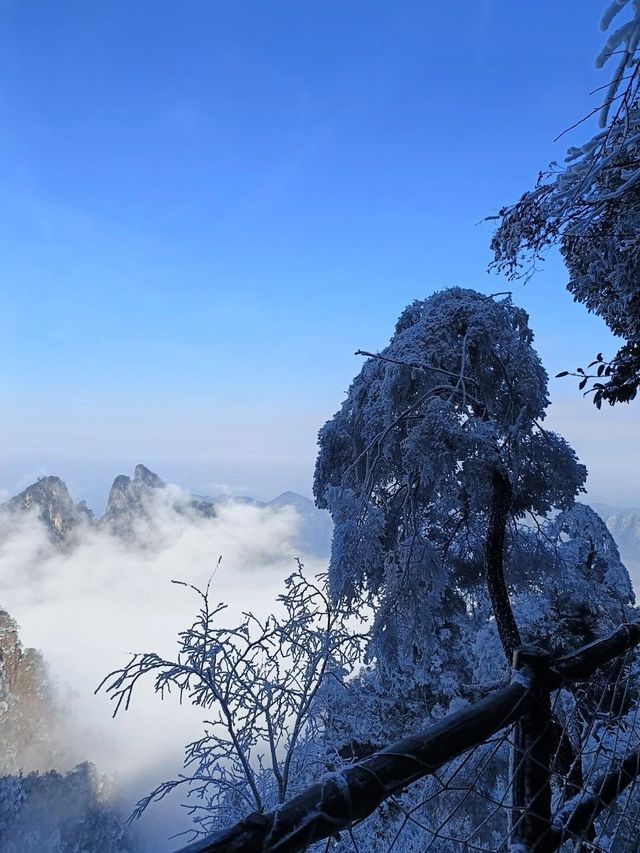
[(531, 754)]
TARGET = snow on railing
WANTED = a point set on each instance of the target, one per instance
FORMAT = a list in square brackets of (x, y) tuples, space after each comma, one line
[(540, 761)]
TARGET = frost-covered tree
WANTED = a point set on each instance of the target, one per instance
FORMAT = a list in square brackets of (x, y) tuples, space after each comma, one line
[(60, 813), (441, 479), (568, 587), (591, 208), (436, 451), (588, 588), (262, 685), (429, 468)]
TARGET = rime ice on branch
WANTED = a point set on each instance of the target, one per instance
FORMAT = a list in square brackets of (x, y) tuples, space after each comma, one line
[(260, 684), (591, 208)]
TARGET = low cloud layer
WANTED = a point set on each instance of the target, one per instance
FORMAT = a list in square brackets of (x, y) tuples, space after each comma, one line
[(89, 606)]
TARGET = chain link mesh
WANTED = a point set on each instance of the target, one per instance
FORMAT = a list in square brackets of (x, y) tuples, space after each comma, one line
[(467, 804)]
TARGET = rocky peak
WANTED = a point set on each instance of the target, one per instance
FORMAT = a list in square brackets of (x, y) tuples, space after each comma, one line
[(50, 498), (22, 669), (29, 714), (129, 500), (143, 475), (10, 652), (84, 511)]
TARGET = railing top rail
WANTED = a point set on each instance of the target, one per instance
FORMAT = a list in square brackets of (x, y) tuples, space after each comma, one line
[(340, 799), (583, 662)]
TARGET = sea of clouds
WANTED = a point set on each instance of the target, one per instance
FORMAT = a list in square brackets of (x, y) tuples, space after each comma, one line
[(89, 605)]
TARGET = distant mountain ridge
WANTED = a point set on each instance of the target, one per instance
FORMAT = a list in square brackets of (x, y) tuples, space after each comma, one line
[(135, 500), (624, 526), (131, 499)]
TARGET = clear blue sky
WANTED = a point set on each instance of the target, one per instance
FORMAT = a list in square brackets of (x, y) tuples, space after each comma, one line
[(206, 207)]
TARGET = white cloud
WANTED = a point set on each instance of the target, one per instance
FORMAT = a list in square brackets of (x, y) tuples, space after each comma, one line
[(88, 607)]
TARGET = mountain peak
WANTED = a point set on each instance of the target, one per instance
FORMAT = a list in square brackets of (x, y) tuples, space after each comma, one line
[(142, 474), (129, 500), (50, 498), (133, 501), (315, 527), (291, 499)]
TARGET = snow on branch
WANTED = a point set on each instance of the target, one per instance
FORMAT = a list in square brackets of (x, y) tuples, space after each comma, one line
[(590, 207), (260, 684)]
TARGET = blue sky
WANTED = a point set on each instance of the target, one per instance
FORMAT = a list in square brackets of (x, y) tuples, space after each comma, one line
[(206, 207)]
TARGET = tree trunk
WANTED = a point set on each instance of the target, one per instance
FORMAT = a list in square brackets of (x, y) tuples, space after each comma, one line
[(501, 495)]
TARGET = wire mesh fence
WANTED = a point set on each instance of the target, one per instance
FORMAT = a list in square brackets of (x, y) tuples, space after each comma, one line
[(468, 805), (549, 763)]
